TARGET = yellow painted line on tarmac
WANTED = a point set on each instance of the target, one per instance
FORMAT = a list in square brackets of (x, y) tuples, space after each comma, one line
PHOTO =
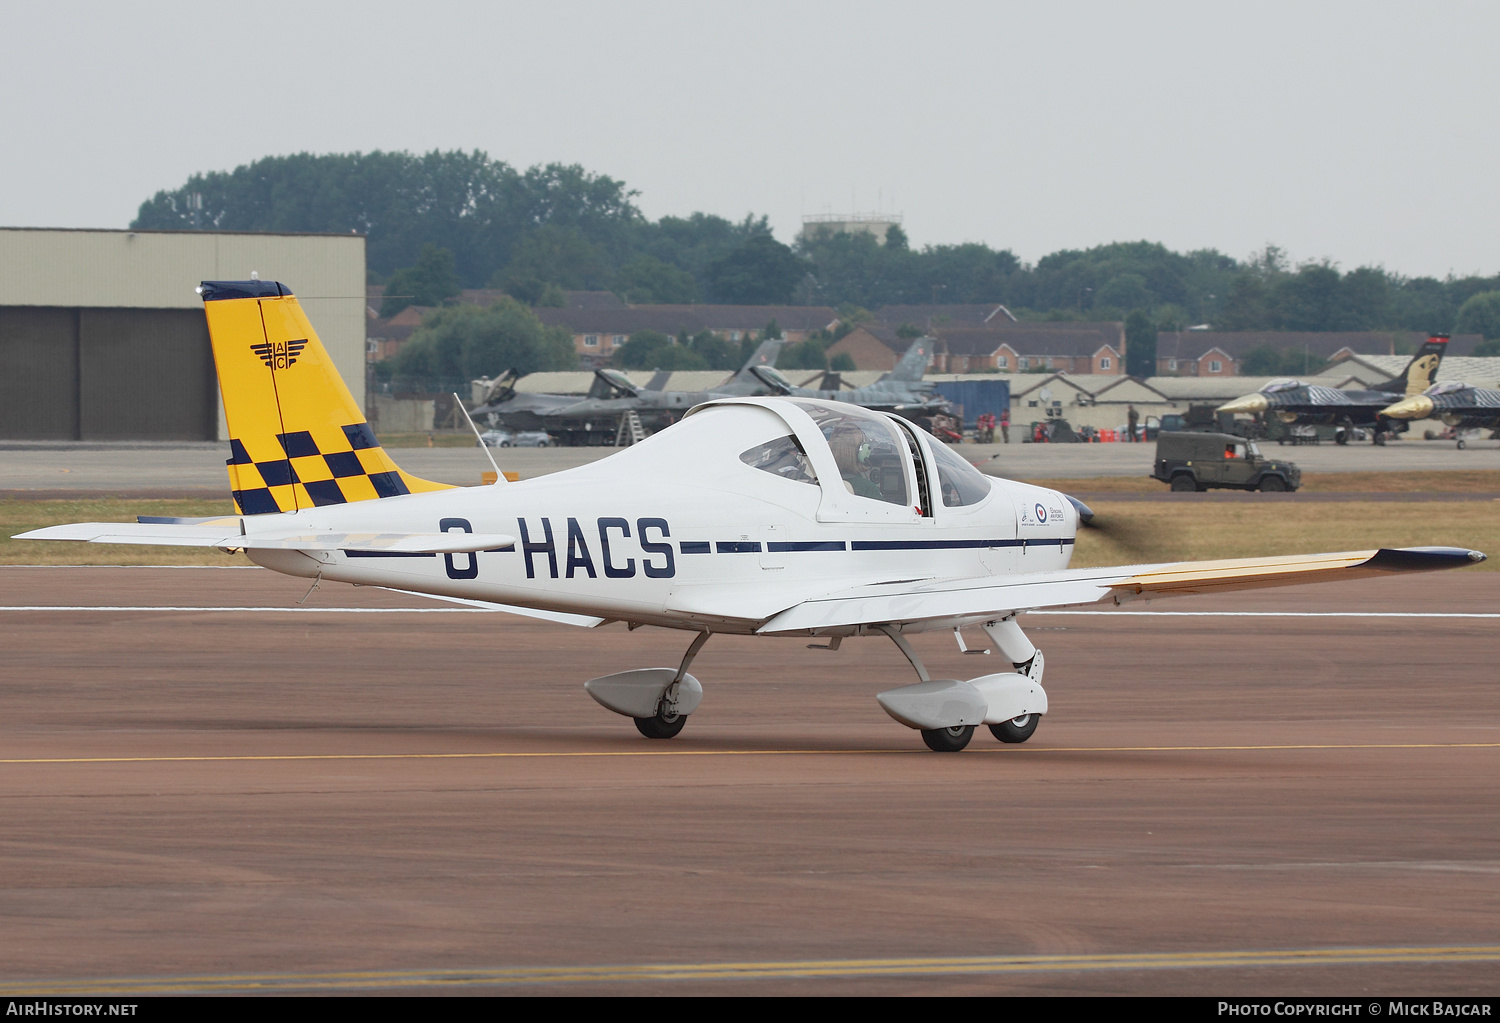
[(563, 754), (817, 968)]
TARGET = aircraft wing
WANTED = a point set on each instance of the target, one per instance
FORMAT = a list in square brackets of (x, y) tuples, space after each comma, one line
[(227, 534), (979, 597)]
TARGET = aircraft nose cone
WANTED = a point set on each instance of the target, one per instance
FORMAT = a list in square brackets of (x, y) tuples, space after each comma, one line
[(1418, 406), (1249, 403)]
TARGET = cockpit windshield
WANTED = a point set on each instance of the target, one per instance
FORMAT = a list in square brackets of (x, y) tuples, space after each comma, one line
[(783, 458), (773, 376), (1446, 387), (867, 449), (1286, 384), (960, 482), (619, 381)]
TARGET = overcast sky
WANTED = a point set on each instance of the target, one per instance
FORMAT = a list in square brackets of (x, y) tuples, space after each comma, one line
[(1363, 132)]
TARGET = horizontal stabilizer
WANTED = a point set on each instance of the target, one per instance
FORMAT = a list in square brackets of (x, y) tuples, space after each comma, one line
[(978, 597), (229, 536)]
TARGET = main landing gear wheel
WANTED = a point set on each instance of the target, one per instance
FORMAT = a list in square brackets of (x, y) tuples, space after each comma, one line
[(1016, 729), (664, 725), (945, 740)]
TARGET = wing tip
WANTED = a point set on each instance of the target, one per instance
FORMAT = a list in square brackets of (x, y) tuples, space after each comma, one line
[(1423, 559)]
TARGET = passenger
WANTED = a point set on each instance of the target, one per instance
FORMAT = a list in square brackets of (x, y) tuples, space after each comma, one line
[(851, 451)]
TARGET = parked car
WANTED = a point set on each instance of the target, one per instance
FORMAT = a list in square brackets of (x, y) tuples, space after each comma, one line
[(1198, 461), (521, 439)]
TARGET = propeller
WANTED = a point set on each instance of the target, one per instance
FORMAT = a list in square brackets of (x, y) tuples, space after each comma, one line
[(1085, 513)]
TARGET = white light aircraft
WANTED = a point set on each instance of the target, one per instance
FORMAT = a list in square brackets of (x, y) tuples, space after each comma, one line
[(777, 516)]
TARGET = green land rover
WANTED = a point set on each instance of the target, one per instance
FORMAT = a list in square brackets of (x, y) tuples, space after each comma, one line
[(1198, 461)]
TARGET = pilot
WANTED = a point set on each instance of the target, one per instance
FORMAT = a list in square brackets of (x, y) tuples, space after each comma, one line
[(851, 451)]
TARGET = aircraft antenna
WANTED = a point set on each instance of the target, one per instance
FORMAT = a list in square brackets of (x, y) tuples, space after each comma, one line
[(499, 476)]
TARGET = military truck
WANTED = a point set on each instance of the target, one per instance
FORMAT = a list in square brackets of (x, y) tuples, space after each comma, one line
[(1198, 461)]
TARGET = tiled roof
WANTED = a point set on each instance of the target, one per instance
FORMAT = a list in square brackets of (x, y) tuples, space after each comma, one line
[(970, 315), (593, 300), (1059, 340), (665, 319), (1480, 371), (673, 319), (1194, 344)]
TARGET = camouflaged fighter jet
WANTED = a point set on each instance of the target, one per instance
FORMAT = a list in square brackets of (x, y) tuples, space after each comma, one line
[(1294, 401), (787, 517), (902, 390), (595, 418), (1455, 403)]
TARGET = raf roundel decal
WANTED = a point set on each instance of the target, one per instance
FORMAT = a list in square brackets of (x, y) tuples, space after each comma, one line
[(1041, 514)]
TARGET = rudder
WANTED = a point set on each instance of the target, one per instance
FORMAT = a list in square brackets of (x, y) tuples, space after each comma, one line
[(1421, 372), (297, 437)]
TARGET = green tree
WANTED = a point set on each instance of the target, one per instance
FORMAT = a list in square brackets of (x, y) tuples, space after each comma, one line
[(646, 280), (563, 256), (716, 352), (1140, 344), (427, 283), (807, 354), (1480, 315), (1124, 291), (896, 239), (475, 207), (772, 331), (1266, 361), (464, 342), (650, 349), (762, 271), (843, 362)]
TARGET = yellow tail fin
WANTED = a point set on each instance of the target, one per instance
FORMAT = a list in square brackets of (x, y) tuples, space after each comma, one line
[(297, 438)]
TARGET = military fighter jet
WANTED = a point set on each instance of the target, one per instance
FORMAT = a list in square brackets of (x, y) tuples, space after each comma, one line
[(902, 390), (595, 419), (1456, 404), (789, 517), (1294, 401)]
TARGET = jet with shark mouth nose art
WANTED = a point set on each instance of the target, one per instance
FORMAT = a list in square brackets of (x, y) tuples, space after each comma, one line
[(1457, 404), (1295, 401), (766, 516)]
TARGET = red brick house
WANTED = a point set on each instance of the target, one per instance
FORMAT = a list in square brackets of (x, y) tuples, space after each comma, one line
[(1202, 353), (1008, 347)]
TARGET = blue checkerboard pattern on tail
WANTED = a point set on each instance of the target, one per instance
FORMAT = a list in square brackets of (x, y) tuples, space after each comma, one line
[(307, 473)]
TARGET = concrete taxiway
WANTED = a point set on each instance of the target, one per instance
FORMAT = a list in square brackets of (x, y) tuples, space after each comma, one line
[(186, 469), (1288, 792)]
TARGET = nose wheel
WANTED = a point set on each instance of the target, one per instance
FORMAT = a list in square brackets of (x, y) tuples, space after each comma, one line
[(1016, 729), (947, 740), (664, 724)]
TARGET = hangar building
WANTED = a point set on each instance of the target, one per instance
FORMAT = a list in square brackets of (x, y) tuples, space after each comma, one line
[(102, 336)]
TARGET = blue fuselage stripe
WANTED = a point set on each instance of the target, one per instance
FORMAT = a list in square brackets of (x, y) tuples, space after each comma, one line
[(948, 545), (387, 554)]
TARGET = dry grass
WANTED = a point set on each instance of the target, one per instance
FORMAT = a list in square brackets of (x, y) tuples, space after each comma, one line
[(1149, 531), (1131, 531), (19, 516)]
